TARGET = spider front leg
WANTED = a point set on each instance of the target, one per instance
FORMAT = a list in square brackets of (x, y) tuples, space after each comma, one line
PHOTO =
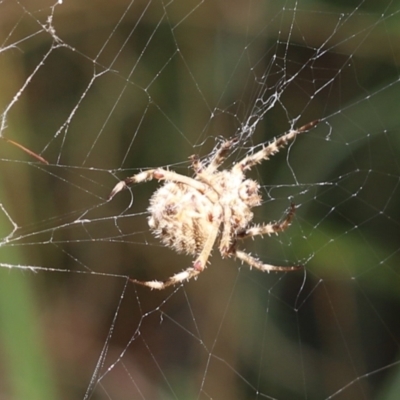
[(159, 174), (271, 149), (220, 154), (140, 177), (198, 266)]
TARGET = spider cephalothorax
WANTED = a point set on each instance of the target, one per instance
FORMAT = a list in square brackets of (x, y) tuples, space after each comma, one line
[(187, 214)]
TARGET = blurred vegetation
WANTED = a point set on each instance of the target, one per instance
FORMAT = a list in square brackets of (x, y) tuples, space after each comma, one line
[(171, 80)]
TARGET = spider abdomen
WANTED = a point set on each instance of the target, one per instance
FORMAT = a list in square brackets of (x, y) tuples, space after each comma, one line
[(177, 217)]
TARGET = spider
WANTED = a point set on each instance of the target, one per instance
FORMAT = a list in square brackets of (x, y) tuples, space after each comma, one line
[(188, 214)]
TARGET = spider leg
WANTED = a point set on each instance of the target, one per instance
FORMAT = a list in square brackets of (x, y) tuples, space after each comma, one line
[(220, 155), (197, 165), (262, 230), (159, 174), (271, 149), (198, 266), (253, 262), (215, 161), (268, 229), (203, 174), (225, 242)]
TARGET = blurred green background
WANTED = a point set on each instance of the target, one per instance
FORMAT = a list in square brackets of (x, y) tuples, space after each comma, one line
[(102, 89)]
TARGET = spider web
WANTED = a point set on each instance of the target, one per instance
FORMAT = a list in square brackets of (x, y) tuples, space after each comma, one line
[(102, 90)]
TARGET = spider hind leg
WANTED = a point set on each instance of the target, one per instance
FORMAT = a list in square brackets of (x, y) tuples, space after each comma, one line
[(268, 229), (198, 266), (253, 262)]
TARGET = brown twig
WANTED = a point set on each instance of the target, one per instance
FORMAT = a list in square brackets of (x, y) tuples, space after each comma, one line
[(30, 152)]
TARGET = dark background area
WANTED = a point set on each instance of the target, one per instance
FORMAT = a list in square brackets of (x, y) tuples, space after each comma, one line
[(103, 89)]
